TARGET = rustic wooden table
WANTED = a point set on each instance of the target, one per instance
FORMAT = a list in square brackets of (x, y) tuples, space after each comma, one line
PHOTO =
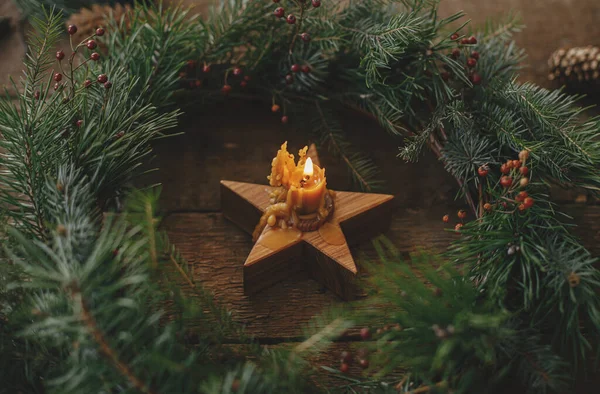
[(238, 144)]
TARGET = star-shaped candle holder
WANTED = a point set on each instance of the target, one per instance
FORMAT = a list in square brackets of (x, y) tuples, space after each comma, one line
[(325, 252)]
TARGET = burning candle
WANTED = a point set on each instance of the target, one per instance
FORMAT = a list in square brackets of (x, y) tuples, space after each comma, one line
[(308, 197)]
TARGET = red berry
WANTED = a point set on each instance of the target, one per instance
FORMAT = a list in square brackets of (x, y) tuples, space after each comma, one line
[(102, 78), (446, 218), (107, 85), (91, 44), (56, 85), (36, 94), (521, 196), (226, 89), (475, 79), (528, 202), (72, 29), (454, 37), (524, 170), (475, 55), (243, 84), (289, 79), (284, 119), (198, 83), (237, 71), (117, 136), (483, 171), (464, 41), (116, 251), (316, 3), (471, 62), (445, 75), (100, 31), (60, 55), (87, 83), (458, 226), (365, 333), (295, 68), (79, 123), (95, 56), (275, 108), (305, 37), (505, 169), (57, 77), (516, 164), (206, 68), (291, 19), (344, 368), (472, 40), (306, 69), (247, 78), (506, 181), (364, 364), (279, 12), (346, 357), (456, 53)]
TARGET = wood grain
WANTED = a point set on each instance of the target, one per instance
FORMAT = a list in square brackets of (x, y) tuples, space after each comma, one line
[(332, 265)]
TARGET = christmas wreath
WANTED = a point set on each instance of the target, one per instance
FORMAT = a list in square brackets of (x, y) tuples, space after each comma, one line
[(86, 270)]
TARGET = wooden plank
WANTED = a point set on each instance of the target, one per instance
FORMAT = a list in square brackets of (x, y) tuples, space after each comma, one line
[(242, 140), (216, 250)]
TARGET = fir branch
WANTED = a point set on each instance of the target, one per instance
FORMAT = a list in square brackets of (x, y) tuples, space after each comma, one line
[(105, 349)]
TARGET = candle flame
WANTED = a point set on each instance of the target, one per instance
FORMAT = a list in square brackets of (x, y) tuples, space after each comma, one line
[(308, 167)]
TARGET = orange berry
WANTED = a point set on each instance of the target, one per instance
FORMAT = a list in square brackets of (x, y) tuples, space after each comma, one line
[(506, 181), (521, 196), (462, 214), (516, 164), (446, 218), (504, 168), (487, 206), (458, 226), (528, 202), (275, 108)]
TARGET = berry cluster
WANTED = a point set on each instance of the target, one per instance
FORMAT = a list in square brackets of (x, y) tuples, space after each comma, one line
[(471, 57), (193, 76), (91, 44), (461, 214), (347, 358), (291, 18), (514, 177)]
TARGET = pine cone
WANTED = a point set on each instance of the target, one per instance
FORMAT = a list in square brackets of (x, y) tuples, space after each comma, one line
[(576, 67), (88, 20)]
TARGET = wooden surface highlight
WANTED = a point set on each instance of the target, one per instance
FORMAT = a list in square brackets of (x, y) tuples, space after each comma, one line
[(331, 265)]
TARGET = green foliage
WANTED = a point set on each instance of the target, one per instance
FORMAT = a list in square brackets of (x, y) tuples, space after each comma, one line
[(450, 336), (88, 308)]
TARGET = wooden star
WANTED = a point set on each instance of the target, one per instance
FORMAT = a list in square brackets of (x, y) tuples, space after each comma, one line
[(356, 217)]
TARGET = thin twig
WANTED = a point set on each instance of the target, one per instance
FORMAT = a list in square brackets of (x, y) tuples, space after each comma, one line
[(105, 348)]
